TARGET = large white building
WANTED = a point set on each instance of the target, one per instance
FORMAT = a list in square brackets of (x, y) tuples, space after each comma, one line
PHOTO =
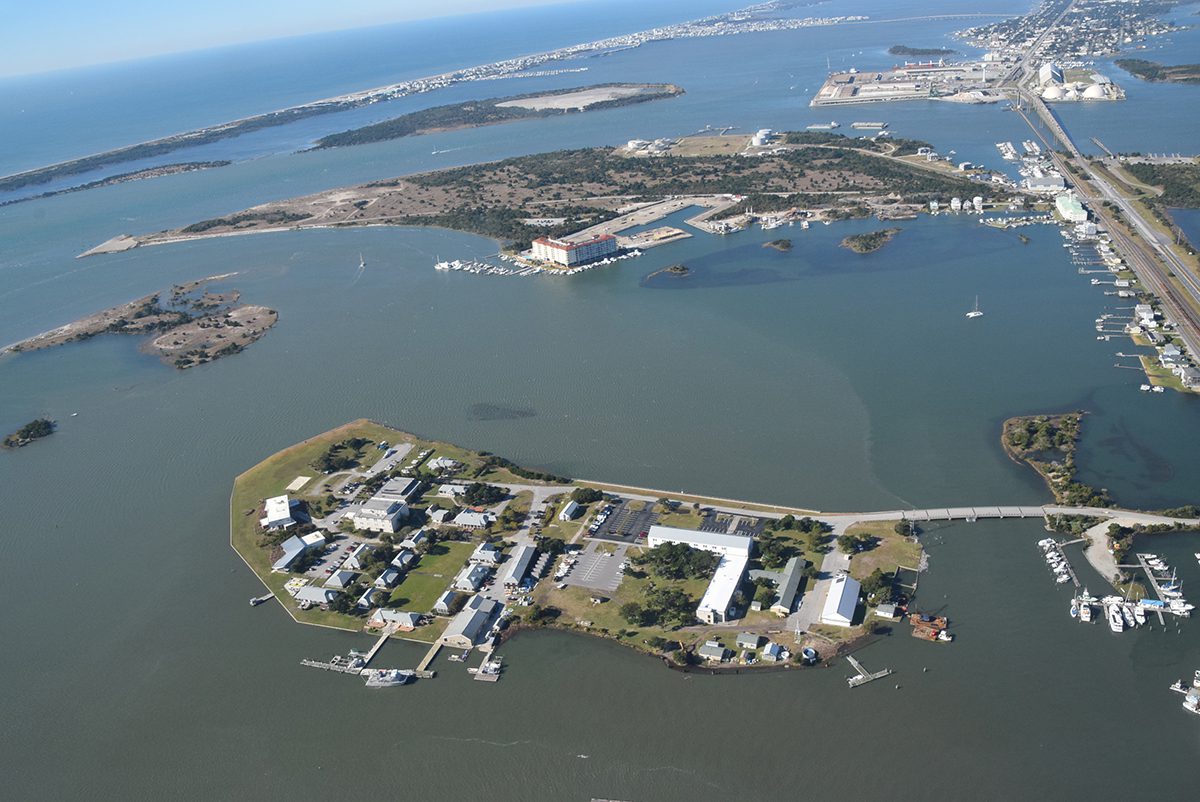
[(472, 624), (569, 254), (380, 515), (277, 513), (716, 605), (1049, 74), (841, 602), (1070, 208)]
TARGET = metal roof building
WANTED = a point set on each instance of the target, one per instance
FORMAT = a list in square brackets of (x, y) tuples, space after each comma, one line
[(841, 602)]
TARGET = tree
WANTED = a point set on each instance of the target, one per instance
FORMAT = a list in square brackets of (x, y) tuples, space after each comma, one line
[(765, 592), (632, 612), (847, 544), (904, 528), (878, 586), (586, 495), (478, 494), (774, 552)]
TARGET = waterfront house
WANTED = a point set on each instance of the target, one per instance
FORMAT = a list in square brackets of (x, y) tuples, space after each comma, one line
[(315, 595), (1190, 377), (747, 640), (441, 465), (1170, 355), (445, 603), (277, 513), (388, 579), (341, 579), (472, 577), (400, 620), (485, 554), (886, 611), (295, 547), (841, 602), (471, 625), (772, 653), (713, 652)]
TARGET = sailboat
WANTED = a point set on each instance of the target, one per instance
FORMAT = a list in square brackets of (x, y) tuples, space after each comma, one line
[(361, 261), (975, 312)]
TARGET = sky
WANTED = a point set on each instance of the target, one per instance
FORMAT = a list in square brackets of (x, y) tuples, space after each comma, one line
[(59, 34)]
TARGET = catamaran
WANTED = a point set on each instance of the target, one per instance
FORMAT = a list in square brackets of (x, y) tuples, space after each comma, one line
[(975, 312)]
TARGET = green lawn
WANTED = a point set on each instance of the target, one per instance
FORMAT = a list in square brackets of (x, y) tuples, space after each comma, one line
[(893, 550), (418, 592)]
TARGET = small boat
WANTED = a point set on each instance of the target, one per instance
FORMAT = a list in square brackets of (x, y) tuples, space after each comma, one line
[(975, 312), (1074, 609), (1158, 388), (1145, 388), (1191, 703), (361, 261), (944, 636), (1139, 615), (1127, 614), (1085, 613), (257, 600)]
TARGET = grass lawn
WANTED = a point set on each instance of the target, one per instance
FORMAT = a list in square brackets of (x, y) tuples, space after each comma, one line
[(681, 520), (1158, 375), (893, 550)]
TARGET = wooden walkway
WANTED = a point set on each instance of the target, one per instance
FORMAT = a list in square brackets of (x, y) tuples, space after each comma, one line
[(428, 658), (387, 633)]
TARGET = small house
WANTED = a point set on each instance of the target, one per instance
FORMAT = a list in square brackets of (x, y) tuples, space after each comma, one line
[(445, 603), (747, 640), (388, 579), (341, 579), (713, 652), (569, 511)]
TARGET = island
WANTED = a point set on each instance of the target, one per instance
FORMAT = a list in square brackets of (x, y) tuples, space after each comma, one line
[(587, 192), (34, 430), (1047, 443), (122, 178), (192, 327), (781, 245), (475, 113), (905, 50), (370, 528), (1155, 72), (870, 241)]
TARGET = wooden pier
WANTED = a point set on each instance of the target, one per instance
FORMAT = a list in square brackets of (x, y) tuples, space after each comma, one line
[(423, 671), (863, 676), (1070, 568)]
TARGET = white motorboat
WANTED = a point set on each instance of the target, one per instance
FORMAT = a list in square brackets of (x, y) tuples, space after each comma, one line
[(1139, 615), (1127, 614), (1115, 620), (1085, 613)]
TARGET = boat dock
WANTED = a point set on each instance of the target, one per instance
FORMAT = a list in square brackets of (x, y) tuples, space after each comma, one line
[(387, 633), (333, 665), (263, 599), (863, 676), (1063, 553), (422, 669)]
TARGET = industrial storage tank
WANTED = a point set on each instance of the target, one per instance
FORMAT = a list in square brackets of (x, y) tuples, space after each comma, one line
[(1053, 93), (1094, 92)]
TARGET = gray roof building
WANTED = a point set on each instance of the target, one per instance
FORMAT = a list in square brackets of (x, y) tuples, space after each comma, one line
[(471, 625)]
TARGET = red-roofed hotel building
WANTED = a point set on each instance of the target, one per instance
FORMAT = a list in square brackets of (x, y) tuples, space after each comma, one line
[(569, 254)]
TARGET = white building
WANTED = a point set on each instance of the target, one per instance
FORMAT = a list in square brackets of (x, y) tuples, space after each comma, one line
[(485, 554), (1050, 73), (402, 620), (841, 602), (569, 512), (471, 578), (388, 579), (445, 603), (315, 595), (380, 515), (569, 254), (341, 579), (357, 561), (517, 565), (296, 546), (443, 465), (471, 625), (277, 513), (451, 491), (956, 204), (977, 202), (471, 519), (1070, 208), (414, 539), (438, 515), (717, 602)]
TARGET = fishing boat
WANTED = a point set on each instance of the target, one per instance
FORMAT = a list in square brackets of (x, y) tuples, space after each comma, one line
[(1191, 703), (388, 677), (975, 312), (1085, 613)]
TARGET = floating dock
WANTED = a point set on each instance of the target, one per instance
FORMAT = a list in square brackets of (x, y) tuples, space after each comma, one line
[(863, 676)]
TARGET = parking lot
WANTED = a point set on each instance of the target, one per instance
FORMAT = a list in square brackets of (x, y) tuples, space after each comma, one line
[(624, 525), (597, 569)]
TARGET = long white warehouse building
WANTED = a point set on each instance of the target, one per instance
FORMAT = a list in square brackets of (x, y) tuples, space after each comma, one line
[(716, 605)]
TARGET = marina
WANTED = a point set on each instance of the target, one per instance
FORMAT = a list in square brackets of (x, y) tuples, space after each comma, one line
[(1056, 559)]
